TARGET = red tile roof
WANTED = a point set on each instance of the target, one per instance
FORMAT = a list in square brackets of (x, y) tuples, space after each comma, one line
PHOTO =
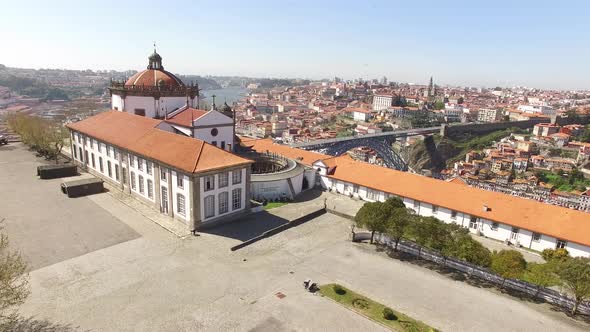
[(152, 77), (186, 116), (140, 135)]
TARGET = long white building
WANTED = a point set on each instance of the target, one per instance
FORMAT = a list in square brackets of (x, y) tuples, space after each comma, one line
[(183, 177), (502, 217)]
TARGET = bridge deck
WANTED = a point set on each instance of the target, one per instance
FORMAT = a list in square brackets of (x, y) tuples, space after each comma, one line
[(407, 132)]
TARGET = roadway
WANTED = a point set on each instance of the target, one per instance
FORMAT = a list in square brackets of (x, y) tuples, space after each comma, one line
[(400, 133)]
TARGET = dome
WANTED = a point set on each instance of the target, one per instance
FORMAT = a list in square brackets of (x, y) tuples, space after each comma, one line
[(155, 77)]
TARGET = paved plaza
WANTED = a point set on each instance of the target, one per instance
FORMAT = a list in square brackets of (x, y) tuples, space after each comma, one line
[(147, 279)]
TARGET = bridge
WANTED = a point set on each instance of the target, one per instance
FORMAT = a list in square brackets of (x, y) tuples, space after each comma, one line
[(380, 142)]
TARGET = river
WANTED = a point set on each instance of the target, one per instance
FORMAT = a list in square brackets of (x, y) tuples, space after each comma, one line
[(230, 95)]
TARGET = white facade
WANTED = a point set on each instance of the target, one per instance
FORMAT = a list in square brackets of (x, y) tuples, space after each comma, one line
[(170, 191), (489, 115), (222, 194), (361, 116), (537, 109), (495, 230), (382, 102), (150, 106)]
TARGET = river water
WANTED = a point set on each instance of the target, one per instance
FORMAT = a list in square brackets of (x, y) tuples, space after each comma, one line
[(229, 95)]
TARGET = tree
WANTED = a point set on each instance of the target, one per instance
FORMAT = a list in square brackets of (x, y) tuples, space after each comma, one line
[(508, 263), (439, 105), (44, 136), (431, 233), (466, 248), (372, 216), (14, 281), (555, 254), (574, 275), (541, 274), (397, 223)]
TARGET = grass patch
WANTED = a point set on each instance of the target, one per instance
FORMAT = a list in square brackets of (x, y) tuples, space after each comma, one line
[(273, 205), (373, 310)]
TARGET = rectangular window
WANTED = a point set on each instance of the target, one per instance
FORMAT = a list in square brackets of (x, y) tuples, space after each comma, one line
[(100, 164), (115, 153), (92, 143), (124, 175), (214, 143), (116, 172), (434, 209), (453, 214), (495, 226), (473, 222), (223, 202), (108, 150), (223, 145), (536, 237), (236, 198), (209, 182), (236, 176), (416, 204), (131, 161), (179, 181), (223, 179), (109, 170), (93, 161), (86, 157), (140, 164), (209, 206), (150, 188), (99, 145), (148, 167), (180, 208), (163, 174), (81, 154), (132, 180), (561, 244), (75, 152), (79, 138), (140, 180)]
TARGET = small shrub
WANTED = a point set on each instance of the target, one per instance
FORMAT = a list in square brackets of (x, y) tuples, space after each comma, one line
[(388, 314), (360, 304), (339, 290)]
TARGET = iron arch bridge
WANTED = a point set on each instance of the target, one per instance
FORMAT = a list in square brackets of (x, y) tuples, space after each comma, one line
[(380, 142)]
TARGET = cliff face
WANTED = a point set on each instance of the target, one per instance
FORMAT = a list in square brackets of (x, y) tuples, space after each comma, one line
[(430, 155)]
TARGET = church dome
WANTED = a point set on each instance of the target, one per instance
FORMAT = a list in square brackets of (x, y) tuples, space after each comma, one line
[(155, 75)]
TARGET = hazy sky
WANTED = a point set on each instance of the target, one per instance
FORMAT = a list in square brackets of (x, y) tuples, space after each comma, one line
[(520, 42)]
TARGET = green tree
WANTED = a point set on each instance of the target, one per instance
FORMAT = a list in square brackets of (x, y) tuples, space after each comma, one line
[(431, 233), (372, 216), (439, 105), (541, 274), (508, 263), (555, 254), (464, 247), (574, 275), (14, 281), (398, 222)]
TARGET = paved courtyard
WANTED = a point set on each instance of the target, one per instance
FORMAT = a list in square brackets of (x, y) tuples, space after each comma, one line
[(152, 280), (46, 225)]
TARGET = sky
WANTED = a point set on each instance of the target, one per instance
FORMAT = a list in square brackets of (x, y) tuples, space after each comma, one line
[(542, 44)]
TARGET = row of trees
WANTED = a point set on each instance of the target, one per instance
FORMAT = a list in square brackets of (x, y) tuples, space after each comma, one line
[(559, 269), (398, 222), (45, 136)]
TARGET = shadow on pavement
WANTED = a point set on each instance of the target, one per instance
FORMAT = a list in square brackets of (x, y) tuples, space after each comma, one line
[(249, 227)]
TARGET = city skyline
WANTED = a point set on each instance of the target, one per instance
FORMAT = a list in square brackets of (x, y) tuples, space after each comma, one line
[(533, 44)]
